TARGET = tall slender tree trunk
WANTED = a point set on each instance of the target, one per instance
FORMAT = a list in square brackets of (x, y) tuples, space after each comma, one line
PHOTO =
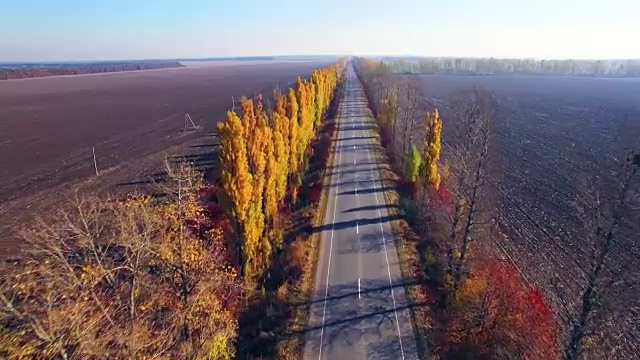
[(471, 214)]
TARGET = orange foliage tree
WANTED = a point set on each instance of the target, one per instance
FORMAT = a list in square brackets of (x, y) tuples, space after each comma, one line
[(256, 252), (123, 279), (294, 132), (234, 175), (306, 117), (494, 314), (282, 148)]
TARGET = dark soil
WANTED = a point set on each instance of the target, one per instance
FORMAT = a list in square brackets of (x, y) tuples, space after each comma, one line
[(551, 131)]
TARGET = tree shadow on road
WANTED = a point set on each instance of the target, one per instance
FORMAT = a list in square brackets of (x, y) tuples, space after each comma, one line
[(353, 223), (363, 184), (375, 243), (367, 191), (353, 138), (360, 314), (372, 207)]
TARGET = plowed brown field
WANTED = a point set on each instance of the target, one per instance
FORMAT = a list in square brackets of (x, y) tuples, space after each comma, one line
[(49, 127), (550, 132)]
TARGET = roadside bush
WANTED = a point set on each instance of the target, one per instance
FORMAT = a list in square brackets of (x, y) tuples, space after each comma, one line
[(409, 210), (295, 256), (407, 189), (385, 137)]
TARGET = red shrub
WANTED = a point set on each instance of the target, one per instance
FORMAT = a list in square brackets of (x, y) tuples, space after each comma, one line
[(213, 216), (495, 313), (442, 197), (330, 127), (310, 194)]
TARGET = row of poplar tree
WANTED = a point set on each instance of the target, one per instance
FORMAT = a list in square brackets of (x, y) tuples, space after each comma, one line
[(263, 154)]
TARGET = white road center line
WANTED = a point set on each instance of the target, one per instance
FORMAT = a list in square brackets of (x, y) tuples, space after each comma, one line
[(384, 244), (356, 176), (336, 191), (333, 226), (359, 243)]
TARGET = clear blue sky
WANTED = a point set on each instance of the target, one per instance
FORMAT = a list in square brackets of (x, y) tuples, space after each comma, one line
[(46, 30)]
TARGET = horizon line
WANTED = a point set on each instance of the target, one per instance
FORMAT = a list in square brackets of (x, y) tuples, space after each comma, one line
[(266, 57)]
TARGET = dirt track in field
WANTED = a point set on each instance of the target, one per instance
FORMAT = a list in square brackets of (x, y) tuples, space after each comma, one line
[(134, 120)]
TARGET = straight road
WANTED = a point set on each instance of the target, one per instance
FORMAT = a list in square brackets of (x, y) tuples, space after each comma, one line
[(359, 310)]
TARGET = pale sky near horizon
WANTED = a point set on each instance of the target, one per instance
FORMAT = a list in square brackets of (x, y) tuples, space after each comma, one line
[(41, 30)]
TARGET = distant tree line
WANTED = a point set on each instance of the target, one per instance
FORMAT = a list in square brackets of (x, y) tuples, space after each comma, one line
[(24, 71), (491, 66)]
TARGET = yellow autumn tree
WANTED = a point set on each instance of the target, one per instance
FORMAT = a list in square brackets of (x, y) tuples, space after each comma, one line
[(325, 81), (294, 133), (234, 165), (306, 117), (311, 110), (281, 153), (269, 157), (271, 175), (248, 116), (255, 249), (280, 103), (318, 78), (310, 124), (281, 139), (303, 104), (431, 152)]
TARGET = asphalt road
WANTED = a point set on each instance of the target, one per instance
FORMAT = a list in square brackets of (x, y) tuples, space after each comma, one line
[(359, 310)]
